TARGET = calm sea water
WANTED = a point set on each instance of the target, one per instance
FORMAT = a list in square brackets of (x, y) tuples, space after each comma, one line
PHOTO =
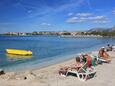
[(46, 50)]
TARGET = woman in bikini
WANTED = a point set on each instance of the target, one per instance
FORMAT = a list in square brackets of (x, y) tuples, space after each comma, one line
[(102, 54), (75, 66)]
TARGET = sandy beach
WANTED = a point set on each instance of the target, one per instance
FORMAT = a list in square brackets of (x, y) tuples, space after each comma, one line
[(57, 42), (49, 76)]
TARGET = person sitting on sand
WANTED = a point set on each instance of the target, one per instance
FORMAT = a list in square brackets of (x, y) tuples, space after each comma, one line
[(90, 59), (109, 48), (102, 54)]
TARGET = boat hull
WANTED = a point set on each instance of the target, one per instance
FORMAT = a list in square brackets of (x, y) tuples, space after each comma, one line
[(18, 52)]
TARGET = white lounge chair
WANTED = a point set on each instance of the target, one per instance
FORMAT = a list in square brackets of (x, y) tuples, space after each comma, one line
[(83, 73)]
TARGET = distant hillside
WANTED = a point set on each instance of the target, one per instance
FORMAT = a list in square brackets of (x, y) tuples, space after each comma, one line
[(96, 30), (102, 29), (110, 32)]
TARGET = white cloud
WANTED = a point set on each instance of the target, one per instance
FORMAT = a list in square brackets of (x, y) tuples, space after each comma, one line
[(93, 18), (97, 18), (83, 18), (73, 20), (45, 24), (86, 18), (113, 11), (80, 14), (84, 14), (103, 21), (70, 14), (74, 17)]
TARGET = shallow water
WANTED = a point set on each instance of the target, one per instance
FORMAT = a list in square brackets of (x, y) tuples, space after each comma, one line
[(46, 50)]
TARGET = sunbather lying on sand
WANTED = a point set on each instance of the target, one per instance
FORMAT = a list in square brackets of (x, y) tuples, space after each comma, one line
[(75, 66), (78, 64), (102, 54)]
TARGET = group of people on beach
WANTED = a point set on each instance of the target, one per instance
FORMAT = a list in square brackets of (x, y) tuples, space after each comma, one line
[(91, 60)]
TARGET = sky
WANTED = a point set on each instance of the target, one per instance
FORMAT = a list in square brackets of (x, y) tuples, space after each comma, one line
[(55, 15)]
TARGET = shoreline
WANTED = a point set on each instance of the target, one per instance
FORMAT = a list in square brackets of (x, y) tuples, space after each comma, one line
[(52, 61), (45, 63), (48, 76)]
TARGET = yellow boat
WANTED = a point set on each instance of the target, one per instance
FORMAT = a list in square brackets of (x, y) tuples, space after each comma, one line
[(18, 52)]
